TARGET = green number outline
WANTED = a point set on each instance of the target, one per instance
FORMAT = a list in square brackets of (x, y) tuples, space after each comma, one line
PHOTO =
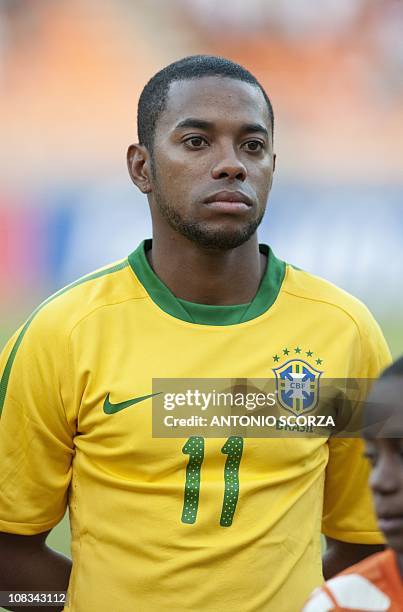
[(194, 447), (233, 448)]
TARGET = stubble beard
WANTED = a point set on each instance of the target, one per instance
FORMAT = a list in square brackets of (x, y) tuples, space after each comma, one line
[(201, 232)]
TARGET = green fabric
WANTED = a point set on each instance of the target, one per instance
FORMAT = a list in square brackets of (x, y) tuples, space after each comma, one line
[(206, 314), (7, 370)]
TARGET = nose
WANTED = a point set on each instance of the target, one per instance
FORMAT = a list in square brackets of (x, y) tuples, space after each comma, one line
[(383, 478), (229, 166)]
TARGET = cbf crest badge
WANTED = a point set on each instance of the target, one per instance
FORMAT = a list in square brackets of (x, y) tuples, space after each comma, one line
[(297, 385)]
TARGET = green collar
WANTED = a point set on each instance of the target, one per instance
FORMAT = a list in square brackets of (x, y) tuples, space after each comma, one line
[(206, 314)]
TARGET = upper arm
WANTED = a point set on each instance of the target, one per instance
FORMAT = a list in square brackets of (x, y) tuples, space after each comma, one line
[(36, 435), (341, 555), (12, 541), (351, 552), (348, 512)]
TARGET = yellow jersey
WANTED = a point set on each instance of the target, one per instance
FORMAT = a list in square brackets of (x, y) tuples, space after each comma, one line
[(102, 340)]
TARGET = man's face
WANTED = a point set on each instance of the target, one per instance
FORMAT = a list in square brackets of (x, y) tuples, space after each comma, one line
[(386, 456), (212, 161)]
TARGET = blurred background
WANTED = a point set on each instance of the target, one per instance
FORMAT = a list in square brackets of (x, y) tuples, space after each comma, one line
[(70, 76)]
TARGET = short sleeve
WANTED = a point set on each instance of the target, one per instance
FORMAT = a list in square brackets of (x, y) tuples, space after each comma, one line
[(348, 513), (375, 351), (36, 438)]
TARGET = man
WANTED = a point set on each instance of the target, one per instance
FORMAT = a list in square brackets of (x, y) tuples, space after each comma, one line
[(377, 582), (202, 299)]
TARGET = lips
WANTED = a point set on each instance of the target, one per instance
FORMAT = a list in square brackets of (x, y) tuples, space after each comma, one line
[(390, 524), (229, 202), (229, 196)]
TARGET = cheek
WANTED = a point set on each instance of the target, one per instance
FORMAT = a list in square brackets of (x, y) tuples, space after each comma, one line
[(168, 183), (374, 480), (376, 499), (260, 177), (179, 175)]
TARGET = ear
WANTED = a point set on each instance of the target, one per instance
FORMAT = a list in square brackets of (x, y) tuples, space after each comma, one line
[(139, 166)]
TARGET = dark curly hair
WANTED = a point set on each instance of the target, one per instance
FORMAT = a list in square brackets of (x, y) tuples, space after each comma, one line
[(153, 98)]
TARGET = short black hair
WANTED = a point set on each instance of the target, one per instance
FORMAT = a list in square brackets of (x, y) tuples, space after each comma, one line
[(395, 369), (153, 98)]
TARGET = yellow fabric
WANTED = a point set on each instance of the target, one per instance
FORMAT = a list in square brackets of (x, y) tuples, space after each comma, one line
[(125, 489)]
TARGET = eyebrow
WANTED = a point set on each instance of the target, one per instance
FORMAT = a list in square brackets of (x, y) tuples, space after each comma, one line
[(202, 124), (254, 127)]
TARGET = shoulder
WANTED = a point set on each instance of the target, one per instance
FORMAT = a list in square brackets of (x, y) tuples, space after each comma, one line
[(60, 312), (305, 287), (374, 567), (342, 315), (360, 587)]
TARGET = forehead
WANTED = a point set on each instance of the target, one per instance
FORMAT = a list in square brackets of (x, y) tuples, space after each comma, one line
[(215, 99), (384, 409)]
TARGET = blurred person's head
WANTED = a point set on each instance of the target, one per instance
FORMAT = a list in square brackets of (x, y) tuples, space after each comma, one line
[(383, 434), (205, 153)]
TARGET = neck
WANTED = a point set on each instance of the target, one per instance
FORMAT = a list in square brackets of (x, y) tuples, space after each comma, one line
[(208, 276)]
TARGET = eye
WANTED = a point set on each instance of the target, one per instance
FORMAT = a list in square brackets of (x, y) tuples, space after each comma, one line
[(371, 456), (196, 142), (253, 146)]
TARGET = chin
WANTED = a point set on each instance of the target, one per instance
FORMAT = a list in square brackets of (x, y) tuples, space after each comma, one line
[(218, 238), (396, 542), (222, 242)]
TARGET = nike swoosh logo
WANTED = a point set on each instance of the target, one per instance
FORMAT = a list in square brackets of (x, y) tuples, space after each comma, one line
[(110, 408)]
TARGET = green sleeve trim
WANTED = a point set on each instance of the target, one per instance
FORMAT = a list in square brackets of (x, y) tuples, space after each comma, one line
[(207, 314), (7, 370)]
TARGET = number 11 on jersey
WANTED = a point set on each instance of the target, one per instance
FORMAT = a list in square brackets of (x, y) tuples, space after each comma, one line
[(194, 447)]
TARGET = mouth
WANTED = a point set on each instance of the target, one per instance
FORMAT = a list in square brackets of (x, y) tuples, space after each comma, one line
[(229, 201), (390, 524)]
